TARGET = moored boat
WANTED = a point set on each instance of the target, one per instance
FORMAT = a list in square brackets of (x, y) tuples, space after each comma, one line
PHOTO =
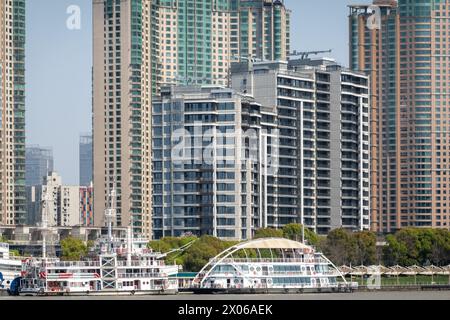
[(10, 267), (124, 270), (114, 267), (270, 265)]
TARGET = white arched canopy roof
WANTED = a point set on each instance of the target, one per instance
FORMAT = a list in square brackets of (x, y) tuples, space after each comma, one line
[(272, 243)]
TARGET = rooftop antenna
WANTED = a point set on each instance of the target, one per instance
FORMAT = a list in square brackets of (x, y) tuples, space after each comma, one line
[(305, 54)]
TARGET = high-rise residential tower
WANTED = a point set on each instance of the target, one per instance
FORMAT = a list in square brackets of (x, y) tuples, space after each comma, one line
[(321, 111), (374, 50), (121, 111), (143, 45), (290, 144), (206, 168), (403, 45), (264, 29), (86, 160), (38, 163), (197, 46), (192, 41), (12, 112)]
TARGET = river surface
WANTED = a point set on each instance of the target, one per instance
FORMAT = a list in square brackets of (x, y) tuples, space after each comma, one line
[(376, 295)]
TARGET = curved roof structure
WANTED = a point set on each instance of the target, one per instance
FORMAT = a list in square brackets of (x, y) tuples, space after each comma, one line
[(272, 243)]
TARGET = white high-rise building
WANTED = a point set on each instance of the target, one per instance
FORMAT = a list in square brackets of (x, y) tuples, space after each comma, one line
[(62, 202)]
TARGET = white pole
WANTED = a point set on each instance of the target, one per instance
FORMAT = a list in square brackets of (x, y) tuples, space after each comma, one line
[(129, 245), (302, 215)]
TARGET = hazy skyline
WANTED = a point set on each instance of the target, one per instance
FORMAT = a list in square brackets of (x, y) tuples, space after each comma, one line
[(59, 63)]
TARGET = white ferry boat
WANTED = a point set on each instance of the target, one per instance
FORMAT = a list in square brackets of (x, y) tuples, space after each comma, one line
[(270, 265), (114, 267), (116, 270), (10, 267)]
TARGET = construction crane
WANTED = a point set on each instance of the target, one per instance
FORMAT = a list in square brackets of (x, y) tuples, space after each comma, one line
[(248, 58), (305, 55)]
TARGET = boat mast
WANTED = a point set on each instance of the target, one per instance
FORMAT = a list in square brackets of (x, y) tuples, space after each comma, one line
[(110, 214), (129, 244), (44, 223)]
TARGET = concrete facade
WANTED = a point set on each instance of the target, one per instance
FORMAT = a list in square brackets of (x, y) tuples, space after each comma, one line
[(121, 111), (403, 46), (12, 113), (322, 113)]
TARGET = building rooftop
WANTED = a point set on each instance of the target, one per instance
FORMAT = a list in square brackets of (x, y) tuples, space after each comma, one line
[(380, 3)]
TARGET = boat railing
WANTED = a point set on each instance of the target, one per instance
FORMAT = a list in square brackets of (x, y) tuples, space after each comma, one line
[(141, 275), (17, 258), (281, 273), (57, 276), (272, 260), (140, 264), (295, 273), (68, 264)]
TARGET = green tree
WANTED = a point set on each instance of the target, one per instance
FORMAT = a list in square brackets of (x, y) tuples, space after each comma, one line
[(268, 233), (293, 231), (340, 247), (73, 249), (411, 246), (440, 249), (366, 248), (14, 253), (167, 244), (199, 254)]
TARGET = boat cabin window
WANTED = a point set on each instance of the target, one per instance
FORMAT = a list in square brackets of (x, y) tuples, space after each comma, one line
[(223, 269), (284, 268)]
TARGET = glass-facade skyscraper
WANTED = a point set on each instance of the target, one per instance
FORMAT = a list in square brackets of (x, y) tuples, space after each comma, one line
[(12, 113), (39, 162), (86, 160), (404, 46)]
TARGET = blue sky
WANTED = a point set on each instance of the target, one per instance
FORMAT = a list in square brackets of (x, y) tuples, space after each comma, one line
[(59, 63)]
